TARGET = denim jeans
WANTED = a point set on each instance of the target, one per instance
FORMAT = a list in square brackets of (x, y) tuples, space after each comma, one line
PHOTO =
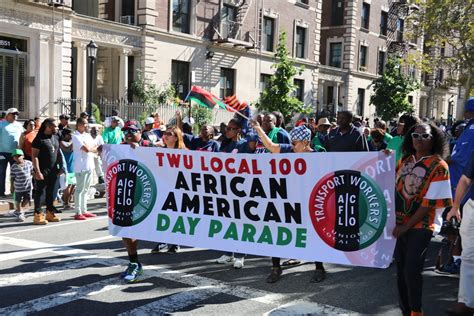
[(5, 158)]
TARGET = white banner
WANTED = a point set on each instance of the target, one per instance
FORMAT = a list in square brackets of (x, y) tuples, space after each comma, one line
[(329, 207)]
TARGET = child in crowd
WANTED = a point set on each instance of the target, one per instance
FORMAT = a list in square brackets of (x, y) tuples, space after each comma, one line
[(22, 174), (69, 176)]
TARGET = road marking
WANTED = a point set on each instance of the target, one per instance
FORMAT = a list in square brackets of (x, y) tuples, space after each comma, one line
[(41, 247), (15, 278), (175, 302), (307, 308), (189, 279), (60, 298), (52, 225)]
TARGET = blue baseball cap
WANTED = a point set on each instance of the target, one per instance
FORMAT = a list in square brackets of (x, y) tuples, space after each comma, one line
[(469, 106)]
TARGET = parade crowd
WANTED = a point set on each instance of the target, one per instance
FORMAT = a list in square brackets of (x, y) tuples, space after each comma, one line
[(435, 170)]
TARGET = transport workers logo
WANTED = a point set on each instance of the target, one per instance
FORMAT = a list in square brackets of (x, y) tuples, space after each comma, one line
[(348, 210), (131, 192)]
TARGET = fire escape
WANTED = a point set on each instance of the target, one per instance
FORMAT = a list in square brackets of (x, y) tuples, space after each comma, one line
[(229, 26), (399, 11)]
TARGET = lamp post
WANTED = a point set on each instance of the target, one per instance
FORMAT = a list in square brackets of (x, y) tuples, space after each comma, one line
[(92, 55)]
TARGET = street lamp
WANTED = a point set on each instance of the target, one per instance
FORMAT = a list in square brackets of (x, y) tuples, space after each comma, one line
[(92, 55)]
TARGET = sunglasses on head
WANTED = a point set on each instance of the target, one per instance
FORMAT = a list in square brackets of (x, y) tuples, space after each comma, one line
[(423, 136), (130, 131)]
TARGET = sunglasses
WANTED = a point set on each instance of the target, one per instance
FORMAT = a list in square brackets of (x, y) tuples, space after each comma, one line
[(130, 131), (228, 128), (168, 134), (424, 136)]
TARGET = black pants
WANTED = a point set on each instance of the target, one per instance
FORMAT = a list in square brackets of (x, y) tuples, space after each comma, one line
[(410, 253), (40, 185)]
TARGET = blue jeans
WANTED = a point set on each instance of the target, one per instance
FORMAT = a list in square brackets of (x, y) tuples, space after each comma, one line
[(5, 158)]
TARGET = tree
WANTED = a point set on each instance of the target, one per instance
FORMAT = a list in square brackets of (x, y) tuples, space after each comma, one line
[(391, 91), (147, 92), (452, 23), (278, 95)]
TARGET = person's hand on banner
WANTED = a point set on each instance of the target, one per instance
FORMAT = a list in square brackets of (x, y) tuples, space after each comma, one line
[(387, 152), (134, 145), (254, 123), (399, 230)]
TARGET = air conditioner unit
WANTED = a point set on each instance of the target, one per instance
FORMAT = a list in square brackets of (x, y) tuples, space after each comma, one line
[(127, 19), (62, 3)]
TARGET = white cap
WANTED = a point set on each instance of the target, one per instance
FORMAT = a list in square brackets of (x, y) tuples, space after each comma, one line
[(149, 120), (12, 110)]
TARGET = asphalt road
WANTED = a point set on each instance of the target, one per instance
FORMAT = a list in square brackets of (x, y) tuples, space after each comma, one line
[(72, 268)]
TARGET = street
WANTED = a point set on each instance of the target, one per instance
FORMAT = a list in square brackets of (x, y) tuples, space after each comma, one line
[(72, 268)]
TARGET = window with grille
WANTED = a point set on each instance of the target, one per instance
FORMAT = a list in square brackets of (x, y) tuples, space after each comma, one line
[(13, 74)]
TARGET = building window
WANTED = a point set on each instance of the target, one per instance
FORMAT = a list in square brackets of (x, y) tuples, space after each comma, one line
[(335, 55), (383, 23), (303, 1), (400, 30), (230, 27), (360, 101), (300, 42), (181, 16), (363, 58), (264, 81), (180, 77), (410, 99), (337, 17), (365, 15), (381, 64), (299, 92), (440, 76), (227, 82), (127, 14), (269, 34), (89, 7)]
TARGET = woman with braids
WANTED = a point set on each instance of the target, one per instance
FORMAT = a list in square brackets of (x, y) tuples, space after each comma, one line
[(300, 143), (422, 187), (47, 165)]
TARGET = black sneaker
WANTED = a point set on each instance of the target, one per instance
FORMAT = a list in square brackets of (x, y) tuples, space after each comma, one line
[(275, 275), (160, 247), (54, 210), (318, 276), (173, 249)]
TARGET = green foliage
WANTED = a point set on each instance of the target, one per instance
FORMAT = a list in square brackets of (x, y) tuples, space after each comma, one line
[(452, 23), (278, 95), (201, 116), (96, 113), (147, 92), (391, 91)]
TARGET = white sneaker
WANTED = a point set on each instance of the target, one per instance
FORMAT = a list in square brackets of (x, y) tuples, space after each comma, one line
[(21, 218), (225, 259), (239, 263)]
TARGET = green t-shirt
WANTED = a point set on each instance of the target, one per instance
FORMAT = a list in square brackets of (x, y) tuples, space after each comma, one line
[(113, 135), (387, 138), (396, 144)]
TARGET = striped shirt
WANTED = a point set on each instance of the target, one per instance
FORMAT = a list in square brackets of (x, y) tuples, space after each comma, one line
[(22, 176)]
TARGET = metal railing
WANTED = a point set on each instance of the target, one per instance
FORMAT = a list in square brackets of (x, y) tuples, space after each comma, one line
[(135, 110)]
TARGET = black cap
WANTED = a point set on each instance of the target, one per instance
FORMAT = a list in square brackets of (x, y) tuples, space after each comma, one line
[(64, 117), (83, 114)]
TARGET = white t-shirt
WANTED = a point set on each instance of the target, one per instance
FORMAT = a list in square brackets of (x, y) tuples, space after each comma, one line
[(83, 161)]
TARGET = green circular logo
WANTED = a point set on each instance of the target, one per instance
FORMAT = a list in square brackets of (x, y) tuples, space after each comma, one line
[(131, 192)]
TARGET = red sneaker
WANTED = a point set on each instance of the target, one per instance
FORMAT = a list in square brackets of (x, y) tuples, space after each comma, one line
[(80, 217), (87, 214)]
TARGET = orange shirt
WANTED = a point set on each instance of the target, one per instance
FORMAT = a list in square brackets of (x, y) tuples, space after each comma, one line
[(421, 183), (28, 141)]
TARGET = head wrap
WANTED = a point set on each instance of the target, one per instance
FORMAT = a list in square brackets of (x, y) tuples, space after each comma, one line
[(300, 133)]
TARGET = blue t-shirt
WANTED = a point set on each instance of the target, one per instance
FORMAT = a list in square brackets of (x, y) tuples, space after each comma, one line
[(9, 136), (469, 172), (234, 147), (461, 154), (187, 138), (198, 144)]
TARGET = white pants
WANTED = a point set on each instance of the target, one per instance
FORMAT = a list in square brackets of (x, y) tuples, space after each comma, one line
[(83, 183), (466, 281)]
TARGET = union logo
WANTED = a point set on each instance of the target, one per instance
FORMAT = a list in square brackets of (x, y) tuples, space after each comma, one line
[(131, 192), (348, 210)]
